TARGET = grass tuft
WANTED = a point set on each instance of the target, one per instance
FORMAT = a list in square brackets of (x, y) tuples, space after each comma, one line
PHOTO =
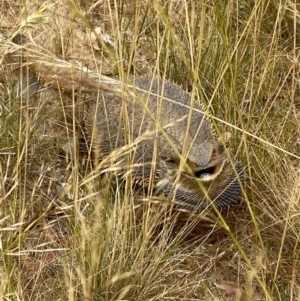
[(65, 234)]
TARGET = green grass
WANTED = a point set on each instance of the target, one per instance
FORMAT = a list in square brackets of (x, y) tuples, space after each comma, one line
[(66, 235)]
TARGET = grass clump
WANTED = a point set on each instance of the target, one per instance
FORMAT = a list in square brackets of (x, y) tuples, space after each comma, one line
[(67, 235)]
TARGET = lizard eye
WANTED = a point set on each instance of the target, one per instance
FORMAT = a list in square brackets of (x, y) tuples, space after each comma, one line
[(172, 161), (219, 149)]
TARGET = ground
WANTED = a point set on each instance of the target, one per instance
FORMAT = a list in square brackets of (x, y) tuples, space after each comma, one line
[(61, 235)]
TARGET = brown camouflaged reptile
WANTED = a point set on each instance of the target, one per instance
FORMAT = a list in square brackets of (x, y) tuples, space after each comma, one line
[(169, 149), (147, 129)]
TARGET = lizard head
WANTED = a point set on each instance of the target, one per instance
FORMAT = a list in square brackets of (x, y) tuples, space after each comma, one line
[(169, 149), (206, 176)]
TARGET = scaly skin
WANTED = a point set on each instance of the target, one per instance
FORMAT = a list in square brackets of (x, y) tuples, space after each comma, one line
[(167, 147)]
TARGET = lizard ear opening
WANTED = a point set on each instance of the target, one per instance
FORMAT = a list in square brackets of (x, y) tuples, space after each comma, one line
[(226, 138)]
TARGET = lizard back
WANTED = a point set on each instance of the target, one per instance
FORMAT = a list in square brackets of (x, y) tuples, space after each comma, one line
[(160, 136)]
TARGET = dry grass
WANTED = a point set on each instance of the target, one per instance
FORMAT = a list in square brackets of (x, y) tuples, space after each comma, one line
[(63, 238)]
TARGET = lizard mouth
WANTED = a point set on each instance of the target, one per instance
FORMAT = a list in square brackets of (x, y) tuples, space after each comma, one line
[(204, 175), (209, 173), (217, 183), (200, 173)]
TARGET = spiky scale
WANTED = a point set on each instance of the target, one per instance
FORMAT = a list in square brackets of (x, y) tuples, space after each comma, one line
[(171, 147)]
